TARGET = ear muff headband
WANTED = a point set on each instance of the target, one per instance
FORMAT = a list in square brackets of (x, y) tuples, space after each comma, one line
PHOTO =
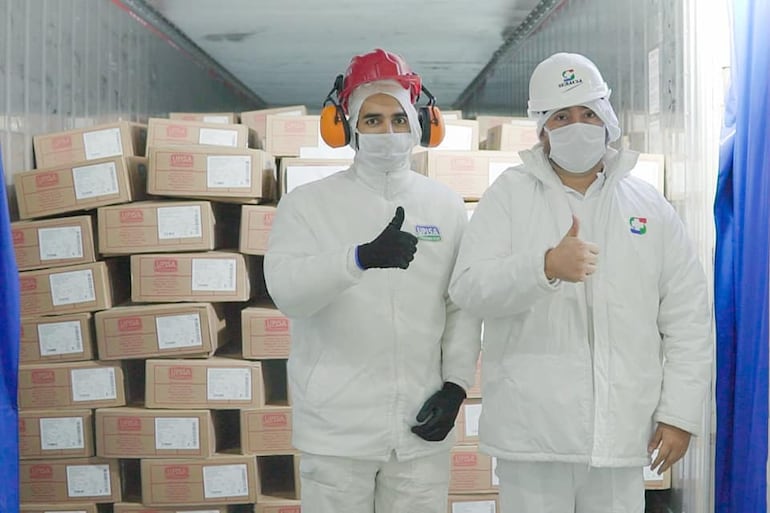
[(334, 127)]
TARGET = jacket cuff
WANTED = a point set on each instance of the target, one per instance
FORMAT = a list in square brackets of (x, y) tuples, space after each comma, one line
[(352, 263)]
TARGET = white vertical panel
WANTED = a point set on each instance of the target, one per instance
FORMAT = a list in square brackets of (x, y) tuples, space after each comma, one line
[(73, 63)]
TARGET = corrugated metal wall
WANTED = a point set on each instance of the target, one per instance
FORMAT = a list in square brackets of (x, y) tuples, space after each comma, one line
[(664, 61), (73, 63)]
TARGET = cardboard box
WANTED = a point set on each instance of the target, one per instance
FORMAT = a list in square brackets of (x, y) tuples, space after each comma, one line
[(216, 480), (460, 135), (146, 433), (278, 476), (452, 114), (174, 132), (118, 139), (256, 222), (172, 330), (238, 175), (476, 503), (62, 338), (295, 172), (214, 383), (157, 226), (269, 504), (655, 481), (515, 135), (265, 333), (48, 434), (468, 173), (71, 480), (467, 423), (53, 242), (73, 289), (81, 186), (650, 167), (472, 471), (214, 276), (59, 508), (266, 431), (222, 118), (285, 135), (257, 119), (127, 507), (71, 385)]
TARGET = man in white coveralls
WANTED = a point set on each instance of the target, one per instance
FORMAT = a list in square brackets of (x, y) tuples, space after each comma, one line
[(597, 344), (360, 262)]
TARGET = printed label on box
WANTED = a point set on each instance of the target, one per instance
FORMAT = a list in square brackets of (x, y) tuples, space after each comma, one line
[(93, 384), (472, 414), (88, 481), (60, 243), (101, 144), (225, 481), (228, 171), (95, 180), (72, 287), (218, 137), (473, 507), (216, 119), (177, 433), (61, 433), (178, 331), (649, 474), (60, 338), (213, 274), (179, 222), (224, 384)]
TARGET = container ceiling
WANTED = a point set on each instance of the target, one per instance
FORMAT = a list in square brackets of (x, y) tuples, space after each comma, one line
[(289, 51)]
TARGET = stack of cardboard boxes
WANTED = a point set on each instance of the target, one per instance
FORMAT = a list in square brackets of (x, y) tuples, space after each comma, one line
[(153, 362), (135, 389)]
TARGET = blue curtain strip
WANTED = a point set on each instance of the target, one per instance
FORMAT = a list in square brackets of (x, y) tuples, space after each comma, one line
[(741, 212), (10, 330)]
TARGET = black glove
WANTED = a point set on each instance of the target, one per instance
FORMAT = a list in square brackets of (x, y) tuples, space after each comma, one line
[(438, 414), (391, 248)]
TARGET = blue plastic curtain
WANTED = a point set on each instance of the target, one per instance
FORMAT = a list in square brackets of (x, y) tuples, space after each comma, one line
[(742, 214), (9, 359)]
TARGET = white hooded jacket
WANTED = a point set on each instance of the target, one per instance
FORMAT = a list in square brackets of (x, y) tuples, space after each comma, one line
[(368, 347), (547, 394)]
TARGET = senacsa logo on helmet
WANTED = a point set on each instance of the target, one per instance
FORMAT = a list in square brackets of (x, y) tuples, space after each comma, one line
[(568, 78)]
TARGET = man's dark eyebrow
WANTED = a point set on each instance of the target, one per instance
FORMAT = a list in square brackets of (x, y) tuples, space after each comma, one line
[(372, 115)]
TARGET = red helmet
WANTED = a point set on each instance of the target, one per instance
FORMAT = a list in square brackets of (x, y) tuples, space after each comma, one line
[(379, 65)]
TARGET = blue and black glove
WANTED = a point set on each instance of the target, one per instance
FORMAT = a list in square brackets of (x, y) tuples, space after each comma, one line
[(437, 416), (391, 248)]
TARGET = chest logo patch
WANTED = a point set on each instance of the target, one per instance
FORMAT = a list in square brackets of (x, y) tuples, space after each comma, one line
[(638, 225), (427, 232)]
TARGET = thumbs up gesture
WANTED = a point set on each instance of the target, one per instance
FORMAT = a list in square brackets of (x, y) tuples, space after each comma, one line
[(391, 248), (573, 259)]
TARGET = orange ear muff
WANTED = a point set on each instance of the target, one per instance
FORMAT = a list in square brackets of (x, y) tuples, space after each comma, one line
[(335, 130), (432, 125), (334, 127)]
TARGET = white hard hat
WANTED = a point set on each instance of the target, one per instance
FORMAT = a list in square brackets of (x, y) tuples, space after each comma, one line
[(563, 80)]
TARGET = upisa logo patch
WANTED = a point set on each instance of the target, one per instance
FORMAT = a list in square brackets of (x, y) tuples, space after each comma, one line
[(568, 74), (427, 232)]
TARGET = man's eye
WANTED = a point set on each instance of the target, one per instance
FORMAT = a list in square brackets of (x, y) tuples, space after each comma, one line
[(401, 121)]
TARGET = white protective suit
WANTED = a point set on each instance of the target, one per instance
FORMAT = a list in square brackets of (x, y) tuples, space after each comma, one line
[(548, 394), (368, 347)]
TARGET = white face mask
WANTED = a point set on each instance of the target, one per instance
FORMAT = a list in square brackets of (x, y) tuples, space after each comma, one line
[(577, 147), (385, 152)]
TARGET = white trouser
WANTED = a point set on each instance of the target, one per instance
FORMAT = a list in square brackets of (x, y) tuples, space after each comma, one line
[(343, 485), (536, 487)]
